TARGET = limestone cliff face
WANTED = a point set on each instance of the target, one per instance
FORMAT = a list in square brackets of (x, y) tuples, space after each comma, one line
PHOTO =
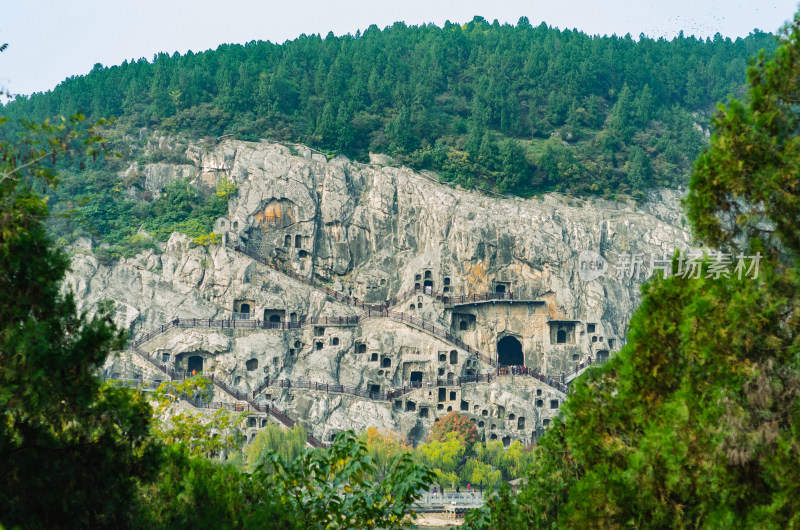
[(374, 231)]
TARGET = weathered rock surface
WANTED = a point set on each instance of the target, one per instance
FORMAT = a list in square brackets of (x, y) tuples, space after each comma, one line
[(374, 231)]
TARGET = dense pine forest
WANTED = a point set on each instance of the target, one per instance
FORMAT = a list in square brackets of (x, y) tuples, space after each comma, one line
[(516, 109)]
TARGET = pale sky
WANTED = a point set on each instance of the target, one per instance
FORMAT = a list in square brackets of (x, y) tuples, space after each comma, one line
[(50, 40)]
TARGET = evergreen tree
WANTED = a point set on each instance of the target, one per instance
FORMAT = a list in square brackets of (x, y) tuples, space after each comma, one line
[(70, 451), (696, 422)]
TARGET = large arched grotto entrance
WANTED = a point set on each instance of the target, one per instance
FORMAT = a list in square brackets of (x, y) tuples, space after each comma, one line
[(195, 363), (509, 352)]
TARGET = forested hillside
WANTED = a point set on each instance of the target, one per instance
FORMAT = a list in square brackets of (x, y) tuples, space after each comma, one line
[(518, 109)]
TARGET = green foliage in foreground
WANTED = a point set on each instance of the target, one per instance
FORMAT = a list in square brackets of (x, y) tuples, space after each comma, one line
[(696, 422), (287, 444), (454, 458), (71, 452), (201, 433), (327, 488), (78, 454), (334, 488)]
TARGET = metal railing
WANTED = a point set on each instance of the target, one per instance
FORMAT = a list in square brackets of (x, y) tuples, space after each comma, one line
[(518, 371), (387, 395), (249, 405), (398, 316), (446, 298)]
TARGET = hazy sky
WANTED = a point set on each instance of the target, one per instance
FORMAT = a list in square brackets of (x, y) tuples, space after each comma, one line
[(50, 40)]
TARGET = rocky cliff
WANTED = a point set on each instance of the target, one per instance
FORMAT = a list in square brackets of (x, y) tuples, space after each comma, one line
[(544, 282)]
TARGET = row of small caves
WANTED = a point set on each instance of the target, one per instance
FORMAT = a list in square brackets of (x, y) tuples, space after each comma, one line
[(424, 281), (445, 397), (509, 348), (483, 418)]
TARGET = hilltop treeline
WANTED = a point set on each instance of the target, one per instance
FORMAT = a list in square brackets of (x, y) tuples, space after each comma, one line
[(515, 108)]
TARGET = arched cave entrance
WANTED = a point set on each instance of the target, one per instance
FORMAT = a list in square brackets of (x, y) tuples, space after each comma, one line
[(195, 363), (500, 288), (509, 352), (244, 309), (416, 377), (561, 337), (275, 319)]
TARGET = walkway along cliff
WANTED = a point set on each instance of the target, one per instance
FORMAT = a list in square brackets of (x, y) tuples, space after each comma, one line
[(408, 298)]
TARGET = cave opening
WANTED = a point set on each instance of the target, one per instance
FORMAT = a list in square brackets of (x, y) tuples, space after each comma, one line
[(509, 352), (195, 364)]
